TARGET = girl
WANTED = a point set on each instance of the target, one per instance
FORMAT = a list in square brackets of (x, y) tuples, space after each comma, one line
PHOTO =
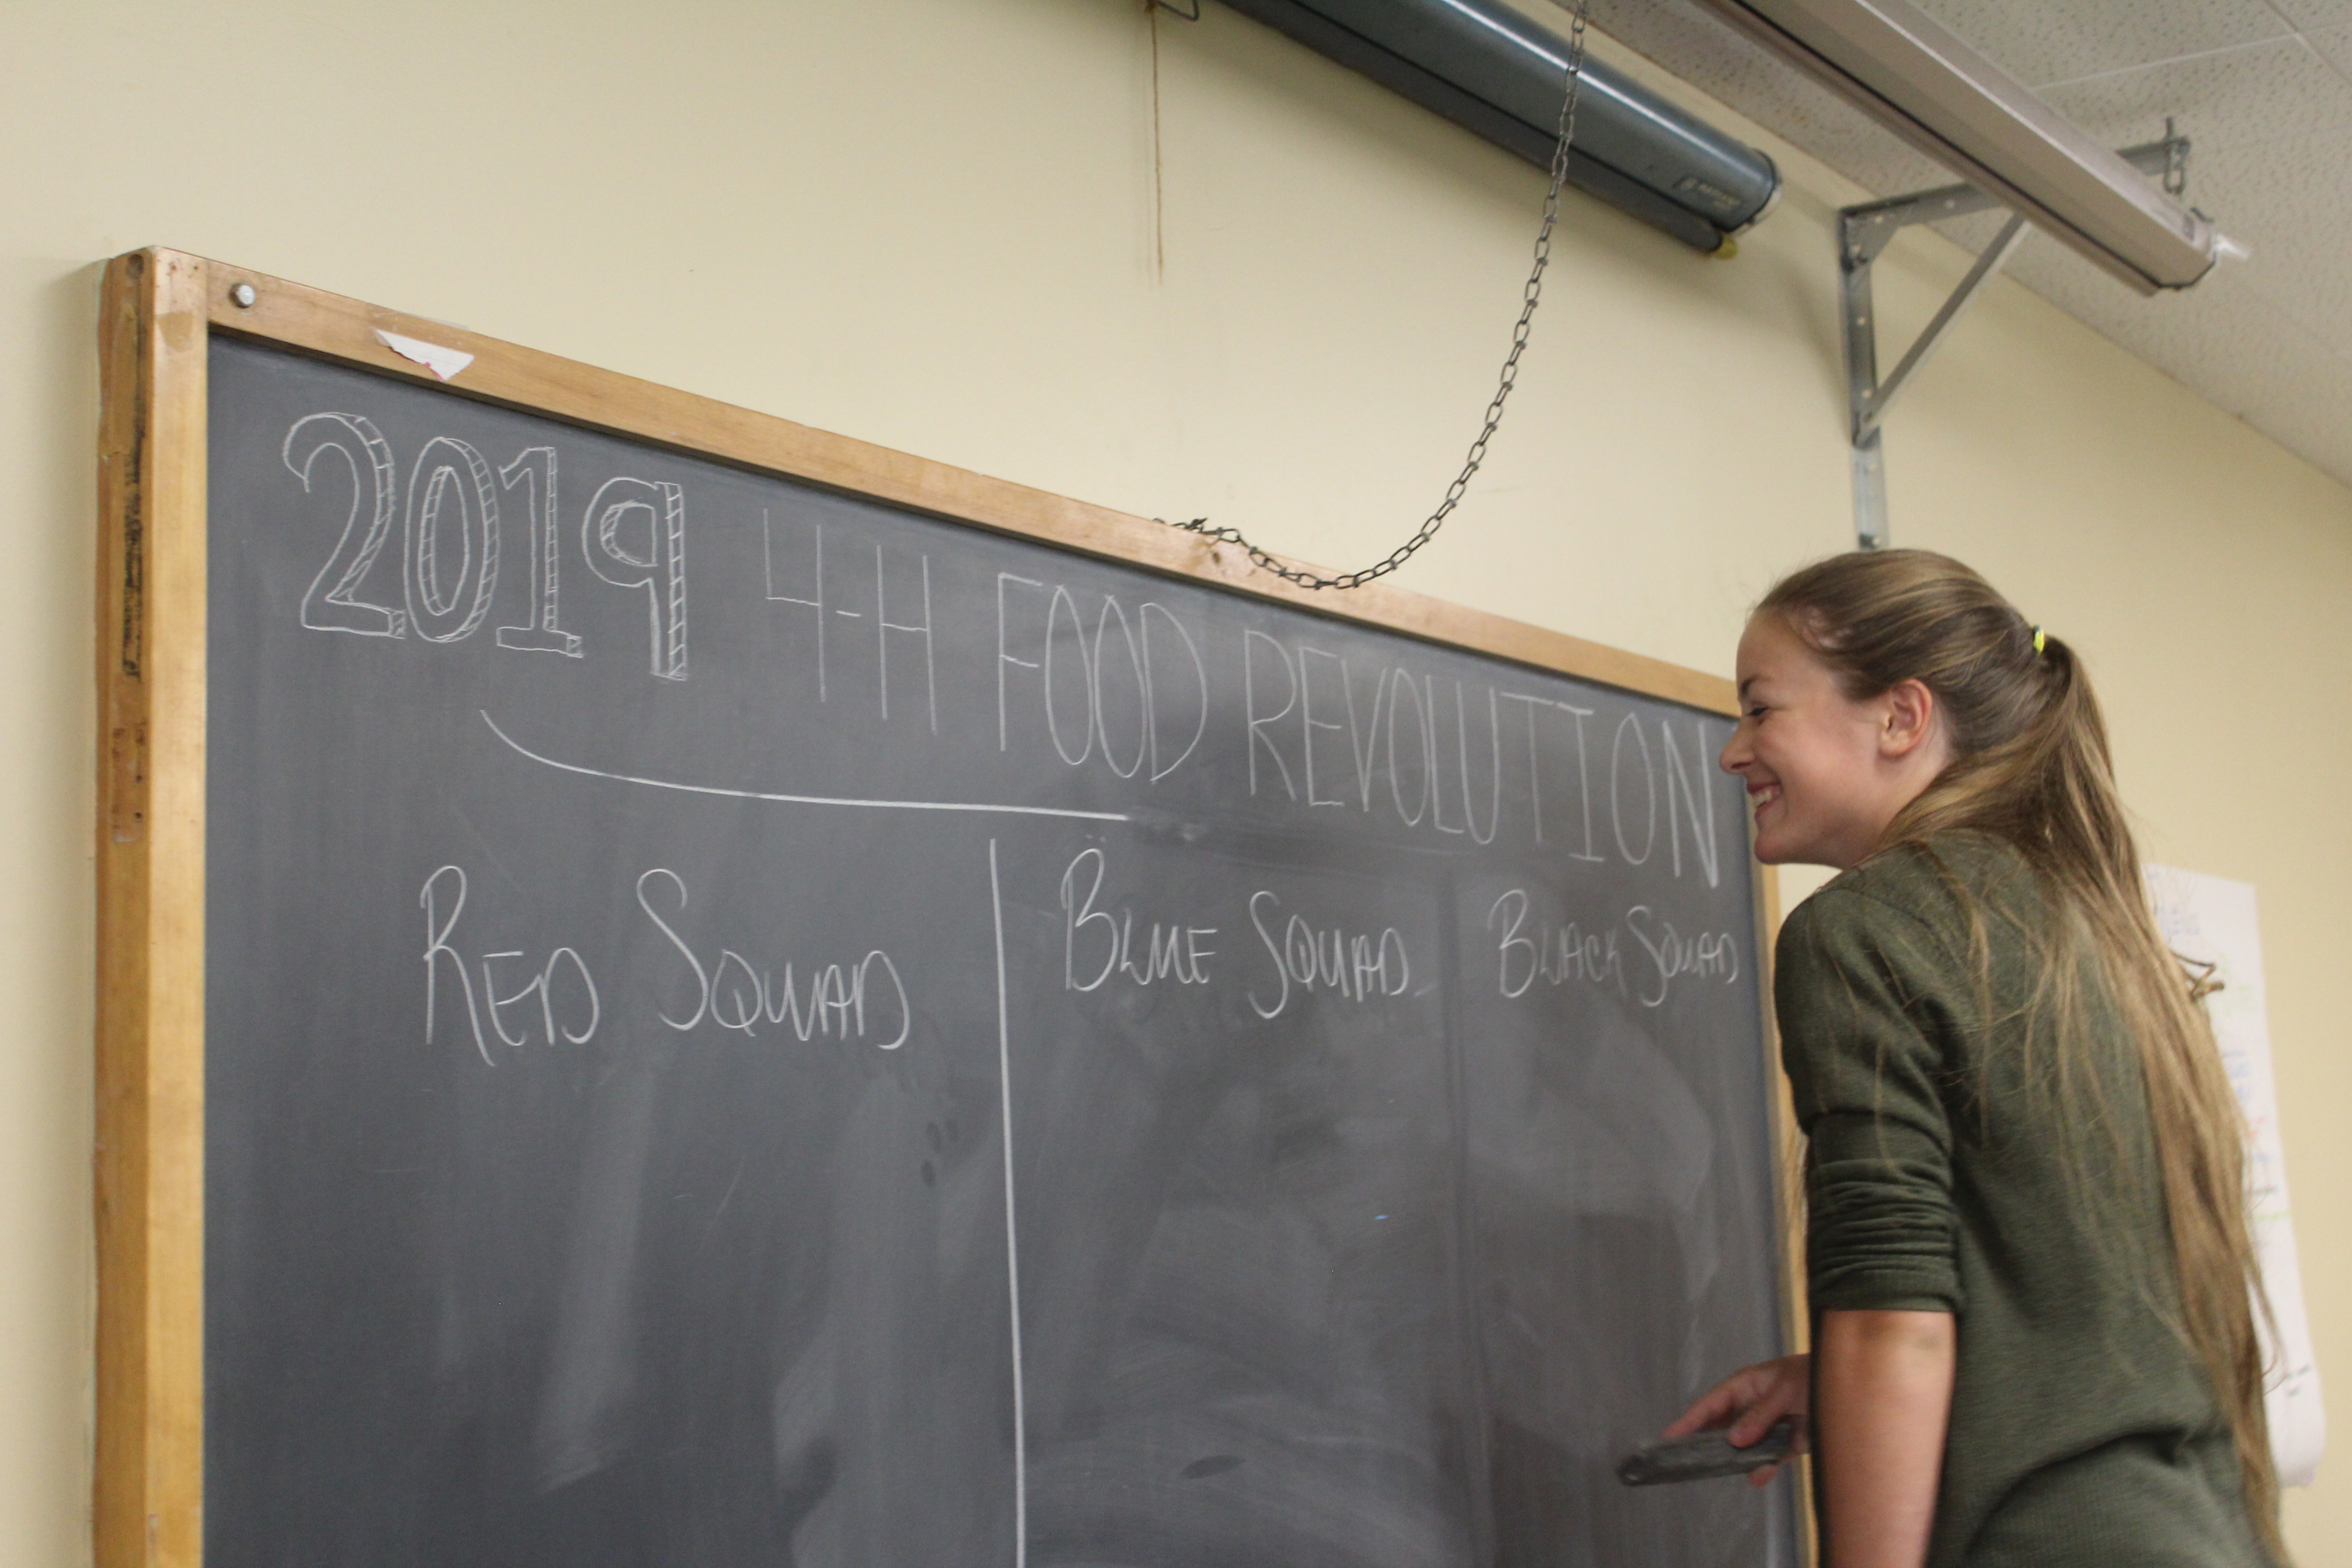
[(2027, 1239)]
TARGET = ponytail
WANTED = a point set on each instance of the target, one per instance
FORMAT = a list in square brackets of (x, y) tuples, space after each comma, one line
[(2031, 768)]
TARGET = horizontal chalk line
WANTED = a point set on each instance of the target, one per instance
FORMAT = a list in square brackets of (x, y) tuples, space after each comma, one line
[(800, 799)]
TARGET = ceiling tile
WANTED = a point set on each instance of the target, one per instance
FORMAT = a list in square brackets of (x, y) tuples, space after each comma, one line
[(2220, 339), (2268, 340), (2317, 13), (2334, 45), (2291, 200), (2303, 402), (2260, 93), (2063, 40)]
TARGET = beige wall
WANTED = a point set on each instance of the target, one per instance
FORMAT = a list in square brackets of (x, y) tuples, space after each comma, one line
[(930, 223)]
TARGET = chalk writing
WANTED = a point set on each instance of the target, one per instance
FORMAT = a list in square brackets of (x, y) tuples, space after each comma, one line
[(782, 799), (1461, 759), (733, 993), (621, 508), (1556, 955), (1699, 802), (1354, 965), (815, 601), (442, 900), (1170, 952), (632, 536), (1706, 955), (534, 470), (826, 608), (1116, 686), (444, 611), (1648, 793), (333, 605)]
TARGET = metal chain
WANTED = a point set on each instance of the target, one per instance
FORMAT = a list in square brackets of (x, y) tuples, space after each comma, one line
[(1530, 297)]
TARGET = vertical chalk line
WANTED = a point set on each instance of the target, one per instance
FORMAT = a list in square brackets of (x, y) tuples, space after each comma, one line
[(1011, 1231)]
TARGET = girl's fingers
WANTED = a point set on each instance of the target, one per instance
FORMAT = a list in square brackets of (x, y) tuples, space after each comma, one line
[(1749, 1402), (1714, 1407), (1757, 1420), (1781, 1389)]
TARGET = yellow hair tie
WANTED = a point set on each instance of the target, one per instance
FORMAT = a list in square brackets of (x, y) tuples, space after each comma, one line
[(2040, 639)]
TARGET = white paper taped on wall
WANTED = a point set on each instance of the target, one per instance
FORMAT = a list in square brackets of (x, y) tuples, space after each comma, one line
[(2211, 920), (443, 363)]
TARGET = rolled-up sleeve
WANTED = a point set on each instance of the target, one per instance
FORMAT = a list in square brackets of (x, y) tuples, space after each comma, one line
[(1861, 989)]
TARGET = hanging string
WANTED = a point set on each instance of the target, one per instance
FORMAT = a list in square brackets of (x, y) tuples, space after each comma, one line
[(1151, 9)]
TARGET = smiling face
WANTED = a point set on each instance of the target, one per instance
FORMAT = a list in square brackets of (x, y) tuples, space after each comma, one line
[(1825, 773)]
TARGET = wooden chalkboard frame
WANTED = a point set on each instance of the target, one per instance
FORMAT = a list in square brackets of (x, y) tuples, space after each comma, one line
[(158, 309)]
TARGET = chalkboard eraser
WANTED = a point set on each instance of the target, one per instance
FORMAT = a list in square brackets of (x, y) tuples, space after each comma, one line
[(1706, 1456)]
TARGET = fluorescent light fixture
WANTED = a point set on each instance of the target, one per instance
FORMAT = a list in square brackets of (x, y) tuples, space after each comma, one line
[(1493, 70), (1924, 83)]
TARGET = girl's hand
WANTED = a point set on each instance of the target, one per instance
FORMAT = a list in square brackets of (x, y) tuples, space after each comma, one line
[(1749, 1402)]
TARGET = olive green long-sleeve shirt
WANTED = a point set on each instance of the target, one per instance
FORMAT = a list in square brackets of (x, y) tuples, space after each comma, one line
[(1944, 1173)]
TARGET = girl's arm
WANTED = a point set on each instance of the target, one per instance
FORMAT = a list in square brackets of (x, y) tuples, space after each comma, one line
[(1882, 1389), (1881, 1386)]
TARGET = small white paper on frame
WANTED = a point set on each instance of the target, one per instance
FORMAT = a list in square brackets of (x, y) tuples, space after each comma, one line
[(443, 363)]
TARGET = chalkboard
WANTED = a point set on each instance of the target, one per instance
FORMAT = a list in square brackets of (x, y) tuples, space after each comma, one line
[(746, 1024)]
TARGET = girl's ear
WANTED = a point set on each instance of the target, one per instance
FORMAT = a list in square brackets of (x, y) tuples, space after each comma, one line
[(1908, 719)]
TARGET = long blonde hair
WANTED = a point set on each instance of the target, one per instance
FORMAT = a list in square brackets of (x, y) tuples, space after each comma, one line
[(2031, 768)]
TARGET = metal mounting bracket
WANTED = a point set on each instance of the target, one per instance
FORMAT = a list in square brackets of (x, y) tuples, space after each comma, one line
[(1863, 233)]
